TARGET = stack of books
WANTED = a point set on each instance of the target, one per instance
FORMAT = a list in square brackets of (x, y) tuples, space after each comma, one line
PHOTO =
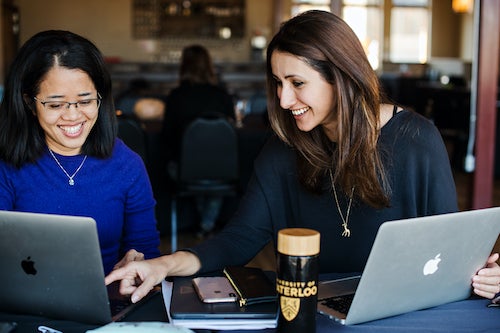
[(186, 309)]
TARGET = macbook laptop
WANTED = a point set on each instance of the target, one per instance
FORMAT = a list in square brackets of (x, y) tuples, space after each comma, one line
[(415, 264), (52, 267), (185, 304)]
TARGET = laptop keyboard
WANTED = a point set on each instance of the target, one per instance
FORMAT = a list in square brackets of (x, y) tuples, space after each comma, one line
[(339, 303), (121, 306), (118, 305)]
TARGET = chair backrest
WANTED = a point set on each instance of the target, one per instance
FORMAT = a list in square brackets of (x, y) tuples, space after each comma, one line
[(257, 103), (133, 135), (209, 151)]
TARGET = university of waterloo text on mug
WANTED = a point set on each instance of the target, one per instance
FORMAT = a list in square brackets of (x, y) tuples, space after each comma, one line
[(297, 279)]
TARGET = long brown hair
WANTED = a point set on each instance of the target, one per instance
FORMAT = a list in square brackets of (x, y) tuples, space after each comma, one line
[(327, 44)]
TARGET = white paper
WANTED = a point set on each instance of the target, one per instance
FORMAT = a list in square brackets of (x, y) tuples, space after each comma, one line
[(213, 324), (138, 327)]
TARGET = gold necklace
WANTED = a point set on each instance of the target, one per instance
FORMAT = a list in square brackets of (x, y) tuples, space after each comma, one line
[(345, 220)]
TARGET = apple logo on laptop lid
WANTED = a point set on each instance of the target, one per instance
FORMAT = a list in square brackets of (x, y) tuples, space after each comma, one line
[(431, 266), (28, 266)]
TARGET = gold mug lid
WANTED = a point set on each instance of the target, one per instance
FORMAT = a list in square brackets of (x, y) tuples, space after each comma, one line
[(298, 241)]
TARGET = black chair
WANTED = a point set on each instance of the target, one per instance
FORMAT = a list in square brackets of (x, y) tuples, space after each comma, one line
[(257, 103), (134, 136), (208, 164)]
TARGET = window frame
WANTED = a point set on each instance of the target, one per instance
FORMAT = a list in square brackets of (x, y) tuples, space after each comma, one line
[(386, 8)]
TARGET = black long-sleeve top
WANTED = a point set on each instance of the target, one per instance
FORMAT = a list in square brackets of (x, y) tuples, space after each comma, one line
[(417, 166)]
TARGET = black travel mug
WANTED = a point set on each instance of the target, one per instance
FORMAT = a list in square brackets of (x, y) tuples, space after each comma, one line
[(297, 279)]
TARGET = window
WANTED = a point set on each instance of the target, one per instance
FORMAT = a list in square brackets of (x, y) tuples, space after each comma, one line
[(407, 29), (409, 32), (299, 6), (366, 18)]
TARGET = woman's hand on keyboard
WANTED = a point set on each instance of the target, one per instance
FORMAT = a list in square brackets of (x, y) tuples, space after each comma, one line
[(138, 278)]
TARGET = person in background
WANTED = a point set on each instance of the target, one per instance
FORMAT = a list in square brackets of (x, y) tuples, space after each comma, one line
[(342, 162), (198, 94), (59, 152), (137, 88)]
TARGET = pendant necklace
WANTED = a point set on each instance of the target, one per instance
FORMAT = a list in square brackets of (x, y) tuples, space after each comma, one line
[(345, 220), (70, 178)]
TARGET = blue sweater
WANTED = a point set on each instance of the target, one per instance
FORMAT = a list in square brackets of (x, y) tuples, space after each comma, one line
[(419, 172), (116, 192)]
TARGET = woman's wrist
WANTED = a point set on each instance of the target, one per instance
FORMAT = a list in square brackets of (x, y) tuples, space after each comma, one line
[(181, 263)]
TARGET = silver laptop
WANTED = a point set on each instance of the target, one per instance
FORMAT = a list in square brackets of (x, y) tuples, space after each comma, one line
[(52, 267), (415, 264)]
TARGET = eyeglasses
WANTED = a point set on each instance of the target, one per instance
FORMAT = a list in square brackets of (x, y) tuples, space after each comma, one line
[(89, 104)]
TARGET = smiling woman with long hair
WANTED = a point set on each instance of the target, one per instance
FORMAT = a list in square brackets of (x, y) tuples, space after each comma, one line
[(342, 162)]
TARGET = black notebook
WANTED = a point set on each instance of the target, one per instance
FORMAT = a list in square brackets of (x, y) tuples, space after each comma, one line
[(185, 304)]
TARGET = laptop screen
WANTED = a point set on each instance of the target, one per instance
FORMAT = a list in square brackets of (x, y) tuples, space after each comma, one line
[(52, 267)]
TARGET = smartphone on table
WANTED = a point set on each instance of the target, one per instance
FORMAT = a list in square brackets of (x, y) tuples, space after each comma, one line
[(214, 289)]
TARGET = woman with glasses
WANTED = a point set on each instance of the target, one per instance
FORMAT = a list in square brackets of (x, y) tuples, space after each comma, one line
[(59, 151)]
